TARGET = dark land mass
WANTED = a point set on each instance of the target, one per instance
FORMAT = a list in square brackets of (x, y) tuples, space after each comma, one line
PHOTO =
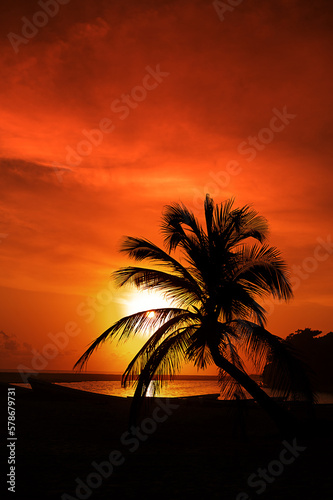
[(315, 350), (186, 450)]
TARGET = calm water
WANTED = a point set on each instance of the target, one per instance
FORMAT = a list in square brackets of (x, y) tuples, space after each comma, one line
[(175, 388)]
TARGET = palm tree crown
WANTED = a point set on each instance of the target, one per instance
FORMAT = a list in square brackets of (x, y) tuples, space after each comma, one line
[(216, 314)]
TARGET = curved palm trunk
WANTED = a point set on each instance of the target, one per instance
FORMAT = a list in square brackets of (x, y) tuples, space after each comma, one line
[(283, 419)]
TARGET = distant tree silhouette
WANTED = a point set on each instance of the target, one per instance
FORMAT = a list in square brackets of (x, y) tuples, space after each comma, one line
[(216, 315), (316, 352)]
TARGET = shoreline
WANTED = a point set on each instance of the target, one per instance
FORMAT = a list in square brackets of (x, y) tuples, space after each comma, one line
[(184, 451)]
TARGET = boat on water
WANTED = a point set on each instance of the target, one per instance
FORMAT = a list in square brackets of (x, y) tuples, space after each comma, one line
[(50, 390)]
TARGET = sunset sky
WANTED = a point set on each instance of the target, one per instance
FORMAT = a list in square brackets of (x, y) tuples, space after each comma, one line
[(111, 110)]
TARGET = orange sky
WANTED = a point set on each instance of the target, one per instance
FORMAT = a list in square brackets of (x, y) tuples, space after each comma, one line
[(181, 96)]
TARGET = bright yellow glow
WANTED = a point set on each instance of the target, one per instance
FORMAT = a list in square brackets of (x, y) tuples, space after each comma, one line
[(145, 301)]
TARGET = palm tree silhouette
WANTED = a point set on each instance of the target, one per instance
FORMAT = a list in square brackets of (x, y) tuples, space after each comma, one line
[(215, 314)]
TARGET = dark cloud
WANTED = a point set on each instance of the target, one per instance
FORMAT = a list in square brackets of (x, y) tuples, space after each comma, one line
[(9, 343)]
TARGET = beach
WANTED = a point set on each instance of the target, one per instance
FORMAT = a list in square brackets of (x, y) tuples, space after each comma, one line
[(81, 449)]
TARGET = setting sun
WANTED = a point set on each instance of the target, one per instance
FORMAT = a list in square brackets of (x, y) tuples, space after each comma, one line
[(146, 301)]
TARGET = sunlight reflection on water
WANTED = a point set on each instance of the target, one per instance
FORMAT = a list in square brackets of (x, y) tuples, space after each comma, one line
[(174, 389)]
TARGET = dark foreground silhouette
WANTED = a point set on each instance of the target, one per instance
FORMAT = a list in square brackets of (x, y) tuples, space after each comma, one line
[(316, 350), (184, 451)]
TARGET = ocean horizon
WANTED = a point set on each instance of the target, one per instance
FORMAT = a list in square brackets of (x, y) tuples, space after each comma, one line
[(176, 388)]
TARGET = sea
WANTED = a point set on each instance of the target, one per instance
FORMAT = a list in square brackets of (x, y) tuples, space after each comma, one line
[(170, 389)]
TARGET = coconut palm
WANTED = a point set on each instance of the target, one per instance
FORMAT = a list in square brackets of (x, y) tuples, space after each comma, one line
[(216, 286)]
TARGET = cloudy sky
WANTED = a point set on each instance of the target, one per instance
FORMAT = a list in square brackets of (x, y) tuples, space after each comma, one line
[(111, 110)]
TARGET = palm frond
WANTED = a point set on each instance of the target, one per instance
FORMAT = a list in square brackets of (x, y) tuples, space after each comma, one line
[(175, 288), (240, 223), (288, 375), (222, 216), (138, 323), (171, 362), (263, 271), (162, 364), (252, 225), (141, 249), (140, 360), (198, 351), (228, 385), (236, 300), (176, 218)]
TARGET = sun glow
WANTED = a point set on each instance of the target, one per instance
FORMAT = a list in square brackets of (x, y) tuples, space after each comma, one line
[(146, 301)]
